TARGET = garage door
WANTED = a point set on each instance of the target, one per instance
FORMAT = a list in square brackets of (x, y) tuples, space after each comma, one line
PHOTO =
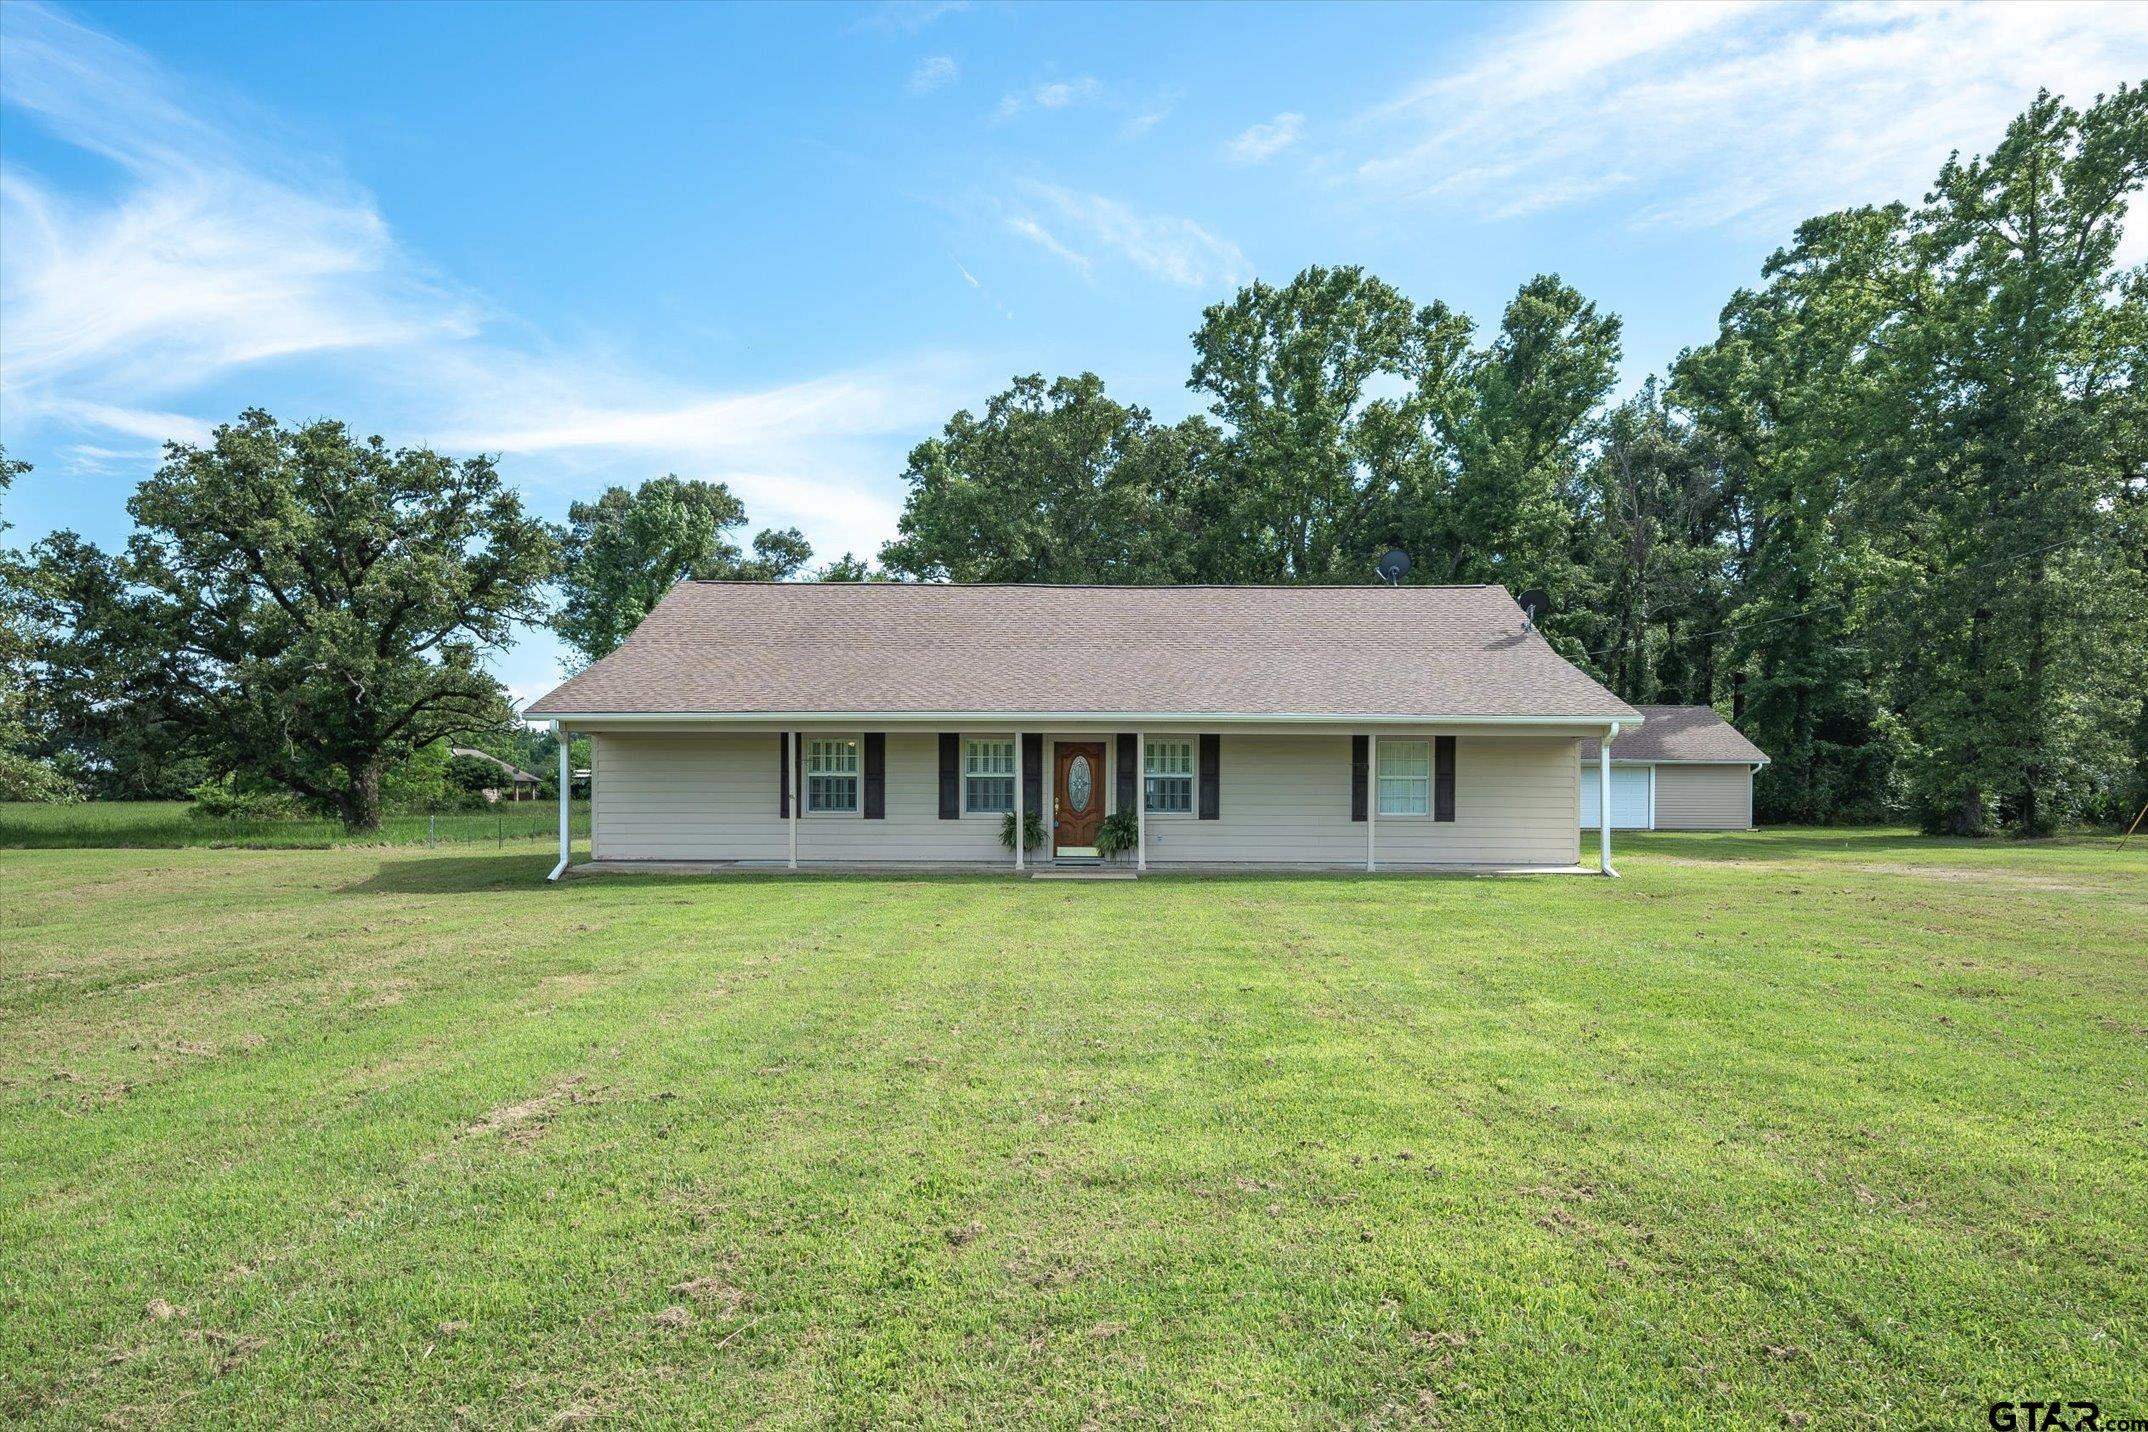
[(1629, 797)]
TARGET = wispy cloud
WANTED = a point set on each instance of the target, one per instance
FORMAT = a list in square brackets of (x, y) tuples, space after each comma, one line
[(1049, 94), (220, 253), (1262, 142), (205, 261), (1706, 114), (1044, 239), (1175, 250), (933, 72)]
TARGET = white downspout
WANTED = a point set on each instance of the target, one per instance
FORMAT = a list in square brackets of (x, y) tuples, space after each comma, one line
[(1141, 801), (797, 791), (1603, 801), (566, 799), (1372, 798), (1018, 803)]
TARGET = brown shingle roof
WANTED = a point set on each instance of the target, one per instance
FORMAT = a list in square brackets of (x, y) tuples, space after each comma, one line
[(1680, 733), (897, 648)]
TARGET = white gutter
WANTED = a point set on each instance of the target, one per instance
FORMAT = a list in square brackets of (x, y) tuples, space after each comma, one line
[(566, 798), (1086, 718)]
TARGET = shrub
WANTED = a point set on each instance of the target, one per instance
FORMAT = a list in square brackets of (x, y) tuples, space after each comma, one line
[(230, 799), (1032, 830), (1119, 833)]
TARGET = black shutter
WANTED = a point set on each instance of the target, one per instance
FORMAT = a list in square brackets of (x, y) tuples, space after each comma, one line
[(1033, 775), (876, 775), (1128, 759), (1360, 754), (1211, 775), (1443, 778), (950, 776), (783, 775)]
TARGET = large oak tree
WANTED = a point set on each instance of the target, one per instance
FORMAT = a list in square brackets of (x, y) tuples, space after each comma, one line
[(303, 606)]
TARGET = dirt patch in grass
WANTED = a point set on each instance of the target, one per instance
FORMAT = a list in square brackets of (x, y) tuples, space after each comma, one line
[(524, 1122)]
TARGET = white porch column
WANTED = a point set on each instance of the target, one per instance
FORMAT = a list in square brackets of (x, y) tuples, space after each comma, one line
[(566, 800), (1372, 799), (1018, 801), (797, 790), (1603, 801), (1141, 801)]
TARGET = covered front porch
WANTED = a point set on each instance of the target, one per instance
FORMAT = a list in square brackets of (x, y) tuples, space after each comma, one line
[(865, 793)]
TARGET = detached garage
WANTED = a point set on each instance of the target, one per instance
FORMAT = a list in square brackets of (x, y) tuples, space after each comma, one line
[(1684, 768)]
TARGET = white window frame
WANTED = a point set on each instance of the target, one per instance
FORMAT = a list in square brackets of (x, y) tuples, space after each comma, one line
[(1008, 775), (855, 774), (1191, 775), (1388, 746)]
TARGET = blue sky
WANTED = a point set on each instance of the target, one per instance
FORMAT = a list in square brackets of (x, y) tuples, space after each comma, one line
[(777, 246)]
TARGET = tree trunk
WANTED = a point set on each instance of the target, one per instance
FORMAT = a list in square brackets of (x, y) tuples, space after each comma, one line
[(360, 804)]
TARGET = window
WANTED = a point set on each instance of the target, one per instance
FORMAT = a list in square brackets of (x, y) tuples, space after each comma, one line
[(988, 775), (831, 772), (1167, 779), (1405, 777)]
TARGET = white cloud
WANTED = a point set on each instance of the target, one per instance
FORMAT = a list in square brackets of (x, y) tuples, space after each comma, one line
[(1044, 239), (204, 261), (1262, 142), (1061, 93), (1706, 114), (933, 72), (1176, 250), (1049, 94), (217, 254)]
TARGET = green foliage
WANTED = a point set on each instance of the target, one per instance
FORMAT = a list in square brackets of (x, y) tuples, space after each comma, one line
[(299, 606), (1119, 833), (1032, 830), (235, 798), (24, 774), (624, 551), (1055, 483)]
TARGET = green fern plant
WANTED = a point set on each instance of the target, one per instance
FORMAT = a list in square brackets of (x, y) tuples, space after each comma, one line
[(1119, 833), (1032, 830)]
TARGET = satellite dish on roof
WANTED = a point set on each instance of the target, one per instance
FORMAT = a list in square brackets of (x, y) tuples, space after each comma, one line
[(1536, 605), (1394, 566)]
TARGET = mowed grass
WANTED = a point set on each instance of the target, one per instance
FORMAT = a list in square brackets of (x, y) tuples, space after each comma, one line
[(1802, 1126), (167, 825)]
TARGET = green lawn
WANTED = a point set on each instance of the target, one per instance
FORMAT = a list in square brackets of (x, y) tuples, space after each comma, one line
[(1838, 1128), (166, 824)]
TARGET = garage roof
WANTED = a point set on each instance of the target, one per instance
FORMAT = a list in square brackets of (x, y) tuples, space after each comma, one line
[(1681, 733)]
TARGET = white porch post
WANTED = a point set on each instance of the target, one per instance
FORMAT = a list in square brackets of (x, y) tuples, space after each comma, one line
[(797, 790), (1141, 801), (1018, 801), (1603, 801), (1372, 799), (566, 800)]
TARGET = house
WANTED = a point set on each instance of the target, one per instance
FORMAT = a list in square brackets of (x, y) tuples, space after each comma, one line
[(1684, 768), (810, 725), (516, 783)]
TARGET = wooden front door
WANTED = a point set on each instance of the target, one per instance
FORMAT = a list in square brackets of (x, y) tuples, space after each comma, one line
[(1077, 796)]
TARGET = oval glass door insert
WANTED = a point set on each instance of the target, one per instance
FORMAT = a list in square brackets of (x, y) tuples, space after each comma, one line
[(1078, 783)]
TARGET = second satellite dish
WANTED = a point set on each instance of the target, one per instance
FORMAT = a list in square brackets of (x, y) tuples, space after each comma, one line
[(1535, 604), (1394, 566)]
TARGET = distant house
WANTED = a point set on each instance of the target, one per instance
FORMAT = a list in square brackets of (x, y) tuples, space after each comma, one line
[(1686, 768), (514, 784), (885, 724)]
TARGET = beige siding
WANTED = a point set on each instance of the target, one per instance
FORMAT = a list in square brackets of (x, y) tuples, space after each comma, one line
[(1287, 799), (713, 797), (1707, 797), (1284, 799)]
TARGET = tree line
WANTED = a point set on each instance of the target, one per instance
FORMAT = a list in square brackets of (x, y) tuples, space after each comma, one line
[(1892, 519)]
